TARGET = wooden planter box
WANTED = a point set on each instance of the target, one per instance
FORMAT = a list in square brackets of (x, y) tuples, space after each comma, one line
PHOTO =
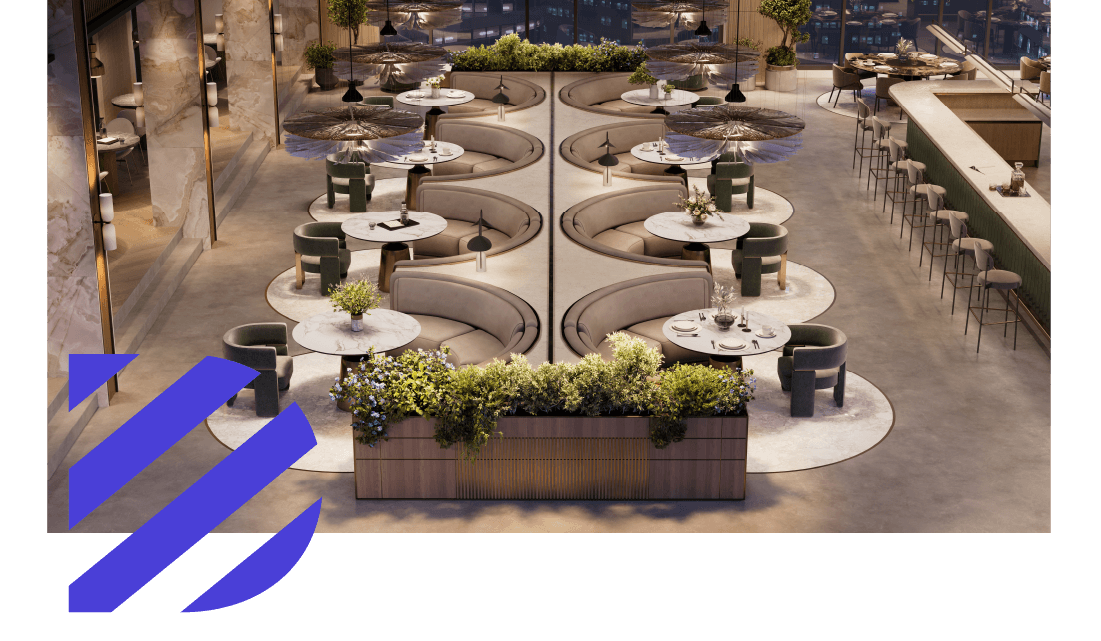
[(560, 458)]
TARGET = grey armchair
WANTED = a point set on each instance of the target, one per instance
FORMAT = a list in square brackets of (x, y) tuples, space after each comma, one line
[(708, 101), (263, 347), (813, 359), (378, 100), (729, 177), (764, 250), (352, 178), (321, 248)]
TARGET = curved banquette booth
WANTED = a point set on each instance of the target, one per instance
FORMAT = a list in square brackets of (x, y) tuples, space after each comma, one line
[(601, 94), (487, 150), (613, 224), (509, 223), (583, 149), (638, 307), (479, 322), (521, 93)]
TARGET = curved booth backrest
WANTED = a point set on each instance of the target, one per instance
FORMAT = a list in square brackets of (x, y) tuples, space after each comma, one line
[(585, 144), (503, 142), (630, 302), (491, 309), (589, 93), (521, 93)]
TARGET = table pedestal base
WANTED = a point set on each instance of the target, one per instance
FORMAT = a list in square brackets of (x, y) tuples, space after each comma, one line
[(660, 110), (346, 363), (412, 182), (725, 361), (430, 119), (677, 170), (391, 254), (697, 251)]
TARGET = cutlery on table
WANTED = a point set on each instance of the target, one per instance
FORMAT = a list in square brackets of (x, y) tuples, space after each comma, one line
[(713, 344), (755, 344), (703, 316), (686, 335)]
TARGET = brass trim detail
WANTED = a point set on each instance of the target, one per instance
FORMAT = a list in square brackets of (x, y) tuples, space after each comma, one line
[(203, 106)]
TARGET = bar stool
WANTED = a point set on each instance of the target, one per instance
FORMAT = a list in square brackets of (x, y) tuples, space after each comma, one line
[(881, 130), (989, 278), (960, 244), (863, 126), (919, 191), (940, 219), (901, 167)]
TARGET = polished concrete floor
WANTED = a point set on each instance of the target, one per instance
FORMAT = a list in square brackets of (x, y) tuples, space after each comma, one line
[(969, 450)]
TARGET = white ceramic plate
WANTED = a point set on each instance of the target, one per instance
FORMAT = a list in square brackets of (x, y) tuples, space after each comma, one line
[(672, 158), (948, 65), (417, 158), (455, 94), (732, 345), (687, 327), (762, 335), (884, 68), (928, 56), (416, 94), (887, 55)]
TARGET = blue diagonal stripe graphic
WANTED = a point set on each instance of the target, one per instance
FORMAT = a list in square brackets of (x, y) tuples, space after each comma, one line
[(201, 507), (157, 427), (263, 568)]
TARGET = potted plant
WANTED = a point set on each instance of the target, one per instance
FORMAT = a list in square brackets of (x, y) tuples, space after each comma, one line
[(434, 85), (752, 45), (642, 76), (789, 15), (355, 297), (668, 89), (320, 58), (699, 207), (349, 14)]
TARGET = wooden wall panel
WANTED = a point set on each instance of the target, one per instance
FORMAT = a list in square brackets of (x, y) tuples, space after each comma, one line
[(732, 480), (414, 448), (418, 479), (753, 25), (688, 449), (734, 448), (574, 426), (115, 49), (735, 427), (683, 480), (368, 479), (329, 31), (1014, 141)]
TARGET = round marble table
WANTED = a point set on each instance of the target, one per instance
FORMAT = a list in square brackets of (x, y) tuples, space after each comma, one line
[(125, 100), (448, 98), (420, 162), (677, 225), (666, 158), (331, 333), (107, 158), (919, 66), (395, 249), (742, 334), (678, 98)]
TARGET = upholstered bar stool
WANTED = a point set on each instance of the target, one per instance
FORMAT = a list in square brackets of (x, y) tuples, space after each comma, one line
[(987, 278), (863, 126), (877, 163), (939, 219), (919, 191), (900, 169), (960, 245)]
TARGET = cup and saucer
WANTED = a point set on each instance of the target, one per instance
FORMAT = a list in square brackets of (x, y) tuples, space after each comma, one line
[(766, 332), (647, 146), (445, 150)]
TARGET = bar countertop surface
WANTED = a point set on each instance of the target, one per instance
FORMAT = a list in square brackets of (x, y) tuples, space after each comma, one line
[(1030, 218)]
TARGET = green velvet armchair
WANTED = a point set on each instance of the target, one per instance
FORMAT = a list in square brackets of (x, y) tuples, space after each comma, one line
[(729, 177), (813, 359), (352, 178), (263, 347), (321, 248)]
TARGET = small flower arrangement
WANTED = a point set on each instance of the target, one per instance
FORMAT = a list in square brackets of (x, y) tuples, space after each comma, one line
[(699, 206), (903, 47), (642, 76), (668, 89), (723, 298), (355, 297), (435, 82)]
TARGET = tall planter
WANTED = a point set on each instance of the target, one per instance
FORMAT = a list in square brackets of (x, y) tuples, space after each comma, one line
[(781, 78), (560, 458)]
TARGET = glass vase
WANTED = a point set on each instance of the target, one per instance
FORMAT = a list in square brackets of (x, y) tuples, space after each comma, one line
[(357, 322), (1017, 178), (435, 92)]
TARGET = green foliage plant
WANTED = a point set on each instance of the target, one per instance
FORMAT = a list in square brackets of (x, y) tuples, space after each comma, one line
[(789, 15), (355, 296), (694, 390), (348, 14), (511, 53), (642, 76), (320, 55)]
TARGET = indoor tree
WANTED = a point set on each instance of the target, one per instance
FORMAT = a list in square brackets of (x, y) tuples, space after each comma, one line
[(789, 15), (348, 14)]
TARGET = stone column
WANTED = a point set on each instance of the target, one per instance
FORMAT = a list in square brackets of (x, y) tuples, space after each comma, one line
[(173, 116), (72, 291), (248, 68), (300, 27)]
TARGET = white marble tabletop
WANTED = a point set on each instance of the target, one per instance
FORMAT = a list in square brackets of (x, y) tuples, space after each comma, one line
[(678, 98), (331, 332), (677, 225), (359, 226), (653, 156), (426, 157), (128, 140), (448, 98), (732, 337), (125, 100)]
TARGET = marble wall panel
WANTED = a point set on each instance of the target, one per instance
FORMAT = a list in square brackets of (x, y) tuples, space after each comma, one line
[(300, 27), (173, 116), (72, 294), (248, 68)]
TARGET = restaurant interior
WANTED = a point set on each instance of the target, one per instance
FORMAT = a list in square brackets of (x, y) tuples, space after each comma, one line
[(557, 265)]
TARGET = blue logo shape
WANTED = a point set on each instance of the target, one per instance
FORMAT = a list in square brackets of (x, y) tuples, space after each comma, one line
[(200, 508), (88, 371)]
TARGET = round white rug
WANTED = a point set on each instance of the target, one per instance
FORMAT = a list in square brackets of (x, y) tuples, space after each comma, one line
[(300, 304), (387, 196), (846, 106), (313, 375), (808, 293), (768, 206)]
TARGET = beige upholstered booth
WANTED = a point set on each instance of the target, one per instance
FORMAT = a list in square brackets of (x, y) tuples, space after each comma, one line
[(509, 223), (583, 149), (479, 322), (638, 307), (521, 94), (487, 150), (613, 224), (601, 93)]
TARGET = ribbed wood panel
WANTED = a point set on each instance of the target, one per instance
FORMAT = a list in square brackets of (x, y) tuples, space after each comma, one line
[(557, 468)]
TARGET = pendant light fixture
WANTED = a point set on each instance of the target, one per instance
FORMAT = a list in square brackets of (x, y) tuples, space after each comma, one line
[(352, 95), (607, 161), (703, 31), (736, 94), (480, 244), (388, 28), (501, 99)]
